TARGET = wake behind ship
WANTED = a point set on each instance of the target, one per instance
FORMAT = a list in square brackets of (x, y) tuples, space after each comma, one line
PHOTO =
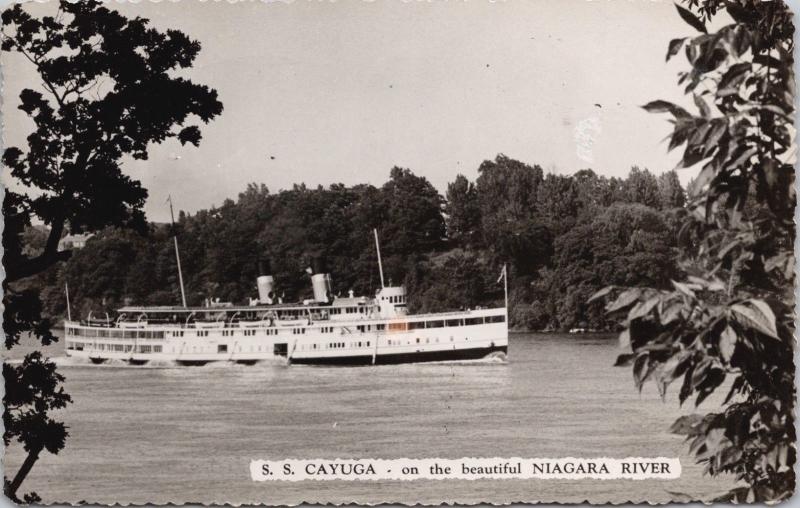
[(326, 330)]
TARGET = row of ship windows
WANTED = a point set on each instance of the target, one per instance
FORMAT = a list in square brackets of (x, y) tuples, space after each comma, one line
[(231, 333), (117, 348), (389, 342), (334, 345), (223, 348), (437, 323), (395, 342), (358, 344), (324, 313), (115, 334), (140, 334), (393, 327), (143, 348), (301, 331), (348, 310)]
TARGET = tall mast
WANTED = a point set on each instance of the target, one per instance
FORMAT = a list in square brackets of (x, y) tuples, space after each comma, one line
[(505, 283), (378, 248), (177, 253), (69, 311)]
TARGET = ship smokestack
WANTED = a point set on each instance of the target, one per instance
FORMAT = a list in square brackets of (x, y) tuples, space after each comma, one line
[(265, 282), (320, 280)]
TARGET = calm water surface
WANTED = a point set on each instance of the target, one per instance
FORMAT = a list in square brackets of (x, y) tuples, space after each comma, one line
[(168, 434)]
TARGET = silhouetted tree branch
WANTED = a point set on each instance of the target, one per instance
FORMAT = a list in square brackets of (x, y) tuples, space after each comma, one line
[(70, 169)]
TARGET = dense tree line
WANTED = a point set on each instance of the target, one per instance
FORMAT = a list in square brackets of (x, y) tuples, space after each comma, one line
[(563, 237)]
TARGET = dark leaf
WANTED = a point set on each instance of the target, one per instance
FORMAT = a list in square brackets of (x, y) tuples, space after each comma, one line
[(705, 111), (660, 106), (674, 47), (733, 77), (626, 299), (690, 18), (643, 308), (685, 424), (697, 186), (641, 370), (756, 314), (624, 360), (739, 13)]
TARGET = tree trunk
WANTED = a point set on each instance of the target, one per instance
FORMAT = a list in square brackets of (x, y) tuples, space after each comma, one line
[(24, 469), (50, 256)]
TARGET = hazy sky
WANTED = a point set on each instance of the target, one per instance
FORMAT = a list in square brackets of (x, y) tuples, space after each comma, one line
[(342, 91)]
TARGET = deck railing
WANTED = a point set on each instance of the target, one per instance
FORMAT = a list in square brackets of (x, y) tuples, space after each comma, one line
[(79, 331)]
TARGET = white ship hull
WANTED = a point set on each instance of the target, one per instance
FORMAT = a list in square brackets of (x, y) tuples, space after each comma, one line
[(450, 336)]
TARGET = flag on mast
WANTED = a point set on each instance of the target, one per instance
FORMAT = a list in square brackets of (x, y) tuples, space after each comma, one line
[(504, 278), (503, 274)]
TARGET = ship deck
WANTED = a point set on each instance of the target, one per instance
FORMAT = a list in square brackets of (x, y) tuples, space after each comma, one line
[(308, 320)]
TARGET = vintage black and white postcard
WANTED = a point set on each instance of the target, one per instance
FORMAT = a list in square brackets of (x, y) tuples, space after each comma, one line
[(388, 251)]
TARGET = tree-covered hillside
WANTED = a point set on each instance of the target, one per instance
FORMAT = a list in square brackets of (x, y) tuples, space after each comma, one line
[(563, 237)]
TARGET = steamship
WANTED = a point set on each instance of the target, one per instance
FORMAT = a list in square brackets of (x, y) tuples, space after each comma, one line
[(324, 330)]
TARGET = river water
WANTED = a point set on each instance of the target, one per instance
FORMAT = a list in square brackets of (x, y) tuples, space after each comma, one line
[(183, 434)]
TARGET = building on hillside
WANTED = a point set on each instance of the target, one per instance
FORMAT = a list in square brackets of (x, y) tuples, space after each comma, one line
[(74, 241)]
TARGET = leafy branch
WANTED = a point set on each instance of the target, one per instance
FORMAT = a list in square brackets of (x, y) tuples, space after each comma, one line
[(731, 317), (70, 171)]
